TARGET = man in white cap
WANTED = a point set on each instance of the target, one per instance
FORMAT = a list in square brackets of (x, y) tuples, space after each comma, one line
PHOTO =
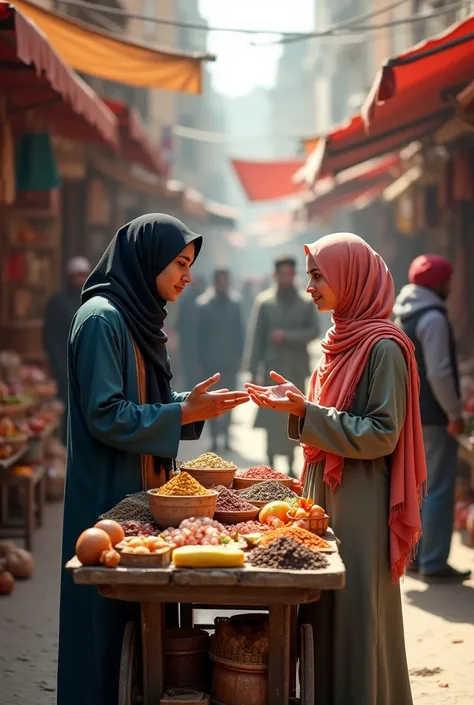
[(59, 313)]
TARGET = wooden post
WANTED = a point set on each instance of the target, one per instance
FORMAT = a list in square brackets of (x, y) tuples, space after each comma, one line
[(152, 618), (279, 639)]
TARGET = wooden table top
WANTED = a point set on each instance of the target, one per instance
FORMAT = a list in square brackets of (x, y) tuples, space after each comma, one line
[(330, 578)]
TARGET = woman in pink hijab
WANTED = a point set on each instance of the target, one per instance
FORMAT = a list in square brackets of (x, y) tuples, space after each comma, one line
[(364, 463)]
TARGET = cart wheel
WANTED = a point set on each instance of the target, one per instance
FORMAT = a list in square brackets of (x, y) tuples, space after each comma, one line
[(130, 676), (306, 665)]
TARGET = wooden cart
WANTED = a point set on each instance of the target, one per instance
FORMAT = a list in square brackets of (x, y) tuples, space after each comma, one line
[(278, 591)]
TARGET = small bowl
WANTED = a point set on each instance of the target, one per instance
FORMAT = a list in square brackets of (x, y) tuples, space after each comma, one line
[(236, 517), (317, 525), (159, 559), (208, 477), (168, 510), (241, 483)]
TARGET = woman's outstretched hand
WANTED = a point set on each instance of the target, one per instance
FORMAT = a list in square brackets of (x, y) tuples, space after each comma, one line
[(283, 396), (202, 404)]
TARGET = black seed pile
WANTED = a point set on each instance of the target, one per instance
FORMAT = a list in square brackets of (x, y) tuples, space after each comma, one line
[(267, 491), (287, 554), (134, 507)]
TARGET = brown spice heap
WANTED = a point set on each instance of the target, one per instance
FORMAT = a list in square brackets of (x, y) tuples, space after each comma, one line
[(287, 554), (306, 538), (228, 501), (182, 485), (208, 461)]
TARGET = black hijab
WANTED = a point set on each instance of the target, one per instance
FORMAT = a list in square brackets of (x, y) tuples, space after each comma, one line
[(126, 275)]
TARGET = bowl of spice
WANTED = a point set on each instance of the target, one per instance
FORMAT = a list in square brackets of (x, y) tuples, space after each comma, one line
[(259, 473), (182, 497), (209, 469), (261, 493), (233, 509)]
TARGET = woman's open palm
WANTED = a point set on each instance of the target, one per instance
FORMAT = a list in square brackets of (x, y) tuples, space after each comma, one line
[(283, 396)]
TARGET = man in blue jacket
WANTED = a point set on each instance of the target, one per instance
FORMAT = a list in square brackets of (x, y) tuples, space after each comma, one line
[(421, 313)]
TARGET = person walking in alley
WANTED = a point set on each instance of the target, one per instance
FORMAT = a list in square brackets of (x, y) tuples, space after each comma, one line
[(220, 342), (360, 429), (282, 324), (186, 328), (421, 313), (60, 311)]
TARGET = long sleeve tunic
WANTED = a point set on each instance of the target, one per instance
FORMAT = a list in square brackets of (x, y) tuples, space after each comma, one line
[(108, 432), (360, 649)]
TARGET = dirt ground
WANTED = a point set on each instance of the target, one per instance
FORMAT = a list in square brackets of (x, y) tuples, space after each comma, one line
[(439, 619)]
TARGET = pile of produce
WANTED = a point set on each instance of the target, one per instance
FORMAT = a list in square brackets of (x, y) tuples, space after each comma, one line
[(305, 510), (208, 557), (15, 564), (228, 501), (285, 553), (134, 507), (248, 527), (182, 485), (96, 546), (306, 538), (196, 531), (268, 491), (142, 545), (262, 472), (209, 461)]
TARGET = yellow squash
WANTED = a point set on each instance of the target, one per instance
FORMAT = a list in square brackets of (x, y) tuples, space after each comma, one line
[(208, 557)]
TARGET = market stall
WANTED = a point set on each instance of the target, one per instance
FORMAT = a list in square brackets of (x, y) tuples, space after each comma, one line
[(214, 537), (29, 418)]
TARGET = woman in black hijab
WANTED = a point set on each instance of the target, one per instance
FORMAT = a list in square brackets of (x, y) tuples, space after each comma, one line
[(125, 425)]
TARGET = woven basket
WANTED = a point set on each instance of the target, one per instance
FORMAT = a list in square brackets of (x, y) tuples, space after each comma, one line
[(230, 653), (317, 525)]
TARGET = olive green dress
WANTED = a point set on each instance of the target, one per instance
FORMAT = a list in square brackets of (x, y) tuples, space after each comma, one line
[(358, 631)]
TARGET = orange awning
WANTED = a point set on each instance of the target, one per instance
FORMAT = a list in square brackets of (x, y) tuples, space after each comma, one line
[(413, 94), (98, 53), (36, 82), (352, 184), (136, 145), (267, 181)]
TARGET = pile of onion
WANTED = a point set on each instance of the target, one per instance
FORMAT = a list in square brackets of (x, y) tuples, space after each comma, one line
[(95, 546)]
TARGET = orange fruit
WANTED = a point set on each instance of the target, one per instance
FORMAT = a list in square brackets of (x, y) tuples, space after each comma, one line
[(316, 511), (276, 509)]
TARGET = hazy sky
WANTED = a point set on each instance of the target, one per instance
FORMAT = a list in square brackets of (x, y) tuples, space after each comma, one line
[(240, 67)]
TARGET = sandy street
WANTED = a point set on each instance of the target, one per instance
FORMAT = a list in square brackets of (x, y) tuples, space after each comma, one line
[(439, 620)]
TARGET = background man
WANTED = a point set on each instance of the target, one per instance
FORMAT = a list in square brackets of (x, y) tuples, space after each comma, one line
[(60, 311), (220, 341), (420, 311), (282, 323)]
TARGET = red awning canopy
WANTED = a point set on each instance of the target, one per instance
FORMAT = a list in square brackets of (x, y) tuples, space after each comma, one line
[(36, 81), (268, 181), (135, 143), (413, 94), (369, 178)]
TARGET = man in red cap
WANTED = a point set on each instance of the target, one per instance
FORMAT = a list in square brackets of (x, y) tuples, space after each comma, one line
[(420, 311)]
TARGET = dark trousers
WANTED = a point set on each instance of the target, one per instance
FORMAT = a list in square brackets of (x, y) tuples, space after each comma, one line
[(437, 513)]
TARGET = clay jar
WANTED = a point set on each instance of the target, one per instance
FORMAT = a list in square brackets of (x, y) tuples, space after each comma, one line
[(237, 683)]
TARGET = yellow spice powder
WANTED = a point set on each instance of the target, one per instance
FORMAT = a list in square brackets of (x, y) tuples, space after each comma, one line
[(182, 485)]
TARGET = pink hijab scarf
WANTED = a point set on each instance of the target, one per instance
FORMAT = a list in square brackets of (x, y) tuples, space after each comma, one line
[(365, 292)]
